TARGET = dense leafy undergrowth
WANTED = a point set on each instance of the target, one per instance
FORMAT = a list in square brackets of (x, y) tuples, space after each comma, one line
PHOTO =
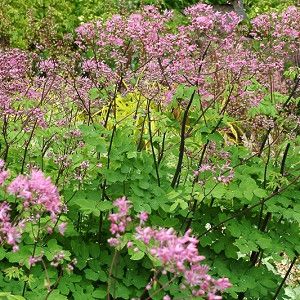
[(194, 129)]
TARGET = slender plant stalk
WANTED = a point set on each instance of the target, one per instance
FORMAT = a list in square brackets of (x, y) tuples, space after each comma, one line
[(151, 143), (110, 273), (182, 141)]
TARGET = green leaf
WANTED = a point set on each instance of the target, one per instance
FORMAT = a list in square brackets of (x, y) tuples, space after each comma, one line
[(248, 194), (173, 194), (144, 184), (88, 206), (91, 275), (219, 245), (53, 246), (102, 275), (268, 283), (205, 240), (94, 93), (55, 295), (99, 294), (132, 154), (105, 205), (173, 206), (9, 296), (231, 251), (2, 253), (121, 291), (101, 147), (264, 243), (20, 256), (137, 255), (261, 193), (219, 191), (94, 250), (234, 229)]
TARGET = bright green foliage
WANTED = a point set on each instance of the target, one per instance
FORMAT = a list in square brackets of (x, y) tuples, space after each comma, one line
[(256, 7)]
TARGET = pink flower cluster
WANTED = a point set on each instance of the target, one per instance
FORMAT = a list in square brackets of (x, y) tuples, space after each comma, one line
[(205, 18), (223, 173), (81, 171), (170, 58), (140, 52), (119, 220), (9, 233), (13, 64), (98, 69), (38, 193), (39, 196), (48, 66), (58, 259), (3, 173), (178, 255), (35, 259)]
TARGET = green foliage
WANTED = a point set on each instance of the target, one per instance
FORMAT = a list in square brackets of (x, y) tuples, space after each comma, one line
[(256, 7), (26, 23), (24, 20), (9, 296), (244, 225), (127, 170)]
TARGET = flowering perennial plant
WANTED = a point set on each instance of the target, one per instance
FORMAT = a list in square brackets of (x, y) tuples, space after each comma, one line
[(9, 233), (119, 220), (194, 117), (178, 255), (38, 197), (37, 193)]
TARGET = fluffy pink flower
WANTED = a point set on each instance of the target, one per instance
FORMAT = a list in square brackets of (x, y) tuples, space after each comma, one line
[(113, 242), (123, 205), (34, 259), (9, 233), (179, 255), (143, 216), (120, 219), (38, 192), (3, 173), (223, 283), (62, 228)]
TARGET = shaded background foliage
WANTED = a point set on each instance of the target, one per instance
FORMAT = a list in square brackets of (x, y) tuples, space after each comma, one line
[(21, 20)]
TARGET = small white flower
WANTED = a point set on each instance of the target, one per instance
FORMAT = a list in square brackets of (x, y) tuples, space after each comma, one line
[(207, 226)]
